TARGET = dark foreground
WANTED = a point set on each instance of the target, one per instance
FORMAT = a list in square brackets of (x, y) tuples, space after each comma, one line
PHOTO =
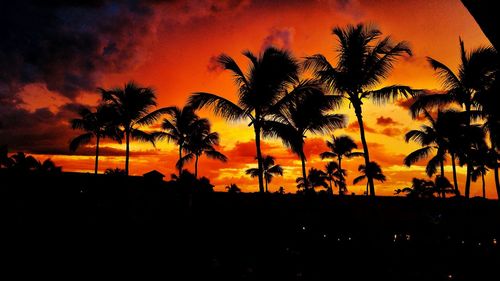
[(109, 227)]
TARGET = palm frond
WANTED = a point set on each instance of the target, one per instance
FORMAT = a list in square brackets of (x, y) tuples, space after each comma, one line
[(80, 140), (417, 155), (392, 93), (219, 105)]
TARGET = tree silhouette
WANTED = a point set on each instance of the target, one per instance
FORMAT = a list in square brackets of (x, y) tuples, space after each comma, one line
[(372, 170), (180, 125), (315, 178), (201, 141), (48, 166), (426, 188), (133, 105), (270, 170), (337, 176), (5, 161), (340, 147), (115, 172), (260, 90), (475, 74), (233, 188), (98, 124), (364, 60), (307, 112), (21, 162)]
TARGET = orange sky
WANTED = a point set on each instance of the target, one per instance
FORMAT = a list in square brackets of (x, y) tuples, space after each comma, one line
[(175, 58)]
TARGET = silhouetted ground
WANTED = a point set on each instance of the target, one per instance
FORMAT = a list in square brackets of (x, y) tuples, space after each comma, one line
[(81, 225)]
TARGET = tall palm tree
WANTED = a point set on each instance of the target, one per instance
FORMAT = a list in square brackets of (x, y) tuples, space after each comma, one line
[(180, 125), (372, 170), (98, 124), (307, 112), (475, 73), (260, 90), (315, 178), (432, 139), (270, 170), (200, 142), (337, 176), (340, 147), (133, 105), (364, 60)]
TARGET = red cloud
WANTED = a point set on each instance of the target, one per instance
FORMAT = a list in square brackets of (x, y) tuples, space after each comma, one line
[(354, 127), (386, 121)]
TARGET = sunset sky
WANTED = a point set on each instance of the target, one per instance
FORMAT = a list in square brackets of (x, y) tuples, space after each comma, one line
[(56, 53)]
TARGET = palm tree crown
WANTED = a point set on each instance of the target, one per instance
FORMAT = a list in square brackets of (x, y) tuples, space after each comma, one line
[(270, 170)]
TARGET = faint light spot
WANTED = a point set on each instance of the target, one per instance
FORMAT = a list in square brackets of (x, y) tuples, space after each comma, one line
[(478, 243), (463, 242), (324, 235), (408, 237), (450, 276), (304, 228), (494, 241), (349, 238)]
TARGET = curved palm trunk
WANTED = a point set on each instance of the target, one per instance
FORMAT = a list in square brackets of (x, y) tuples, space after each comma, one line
[(469, 164), (180, 157), (484, 187), (304, 175), (266, 184), (497, 181), (442, 176), (365, 147), (455, 181), (96, 154), (196, 167), (127, 150), (259, 158)]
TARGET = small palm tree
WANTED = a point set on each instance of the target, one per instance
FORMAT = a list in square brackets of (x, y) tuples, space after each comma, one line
[(48, 166), (337, 176), (23, 163), (309, 111), (233, 188), (98, 124), (180, 125), (372, 170), (260, 91), (270, 170), (340, 147), (364, 60), (474, 78), (315, 178), (115, 172), (420, 188), (132, 105), (201, 141)]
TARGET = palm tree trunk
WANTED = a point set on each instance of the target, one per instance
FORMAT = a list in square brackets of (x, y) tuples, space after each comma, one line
[(266, 184), (357, 109), (497, 181), (469, 164), (331, 187), (259, 157), (342, 179), (127, 150), (180, 157), (442, 177), (96, 154), (484, 187), (196, 167), (455, 181), (303, 160)]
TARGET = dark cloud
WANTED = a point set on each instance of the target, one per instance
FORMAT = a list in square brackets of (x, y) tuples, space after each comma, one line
[(391, 132), (214, 65), (386, 121), (279, 37)]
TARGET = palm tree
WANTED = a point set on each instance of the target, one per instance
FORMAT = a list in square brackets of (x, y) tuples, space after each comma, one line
[(307, 112), (372, 170), (337, 176), (315, 178), (364, 60), (340, 147), (201, 141), (270, 170), (115, 172), (260, 91), (48, 166), (180, 125), (98, 124), (23, 163), (233, 188), (420, 188), (133, 105), (474, 77)]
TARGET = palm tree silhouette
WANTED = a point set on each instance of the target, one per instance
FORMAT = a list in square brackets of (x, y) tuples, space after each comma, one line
[(475, 74), (233, 188), (260, 90), (23, 163), (270, 170), (201, 141), (5, 161), (420, 188), (315, 178), (308, 111), (180, 125), (340, 147), (337, 176), (98, 125), (133, 105), (372, 170), (364, 60)]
